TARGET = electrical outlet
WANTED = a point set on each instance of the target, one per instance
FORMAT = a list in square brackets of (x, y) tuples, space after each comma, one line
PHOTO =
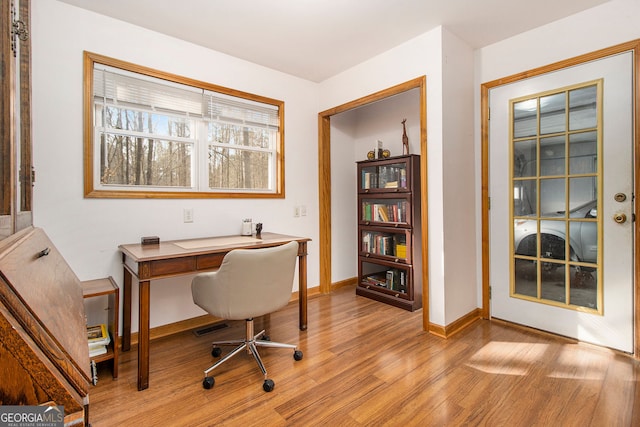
[(187, 215), (303, 210)]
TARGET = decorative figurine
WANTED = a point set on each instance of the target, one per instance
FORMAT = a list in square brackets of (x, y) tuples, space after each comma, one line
[(258, 229), (405, 138), (378, 149)]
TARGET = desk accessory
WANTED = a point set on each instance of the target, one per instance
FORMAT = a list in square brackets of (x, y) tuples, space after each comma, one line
[(150, 240), (247, 227)]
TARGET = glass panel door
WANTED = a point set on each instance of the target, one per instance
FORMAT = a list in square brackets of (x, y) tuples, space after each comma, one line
[(555, 185), (561, 190)]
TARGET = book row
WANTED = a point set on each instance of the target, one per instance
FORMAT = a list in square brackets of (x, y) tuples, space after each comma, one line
[(392, 279), (385, 212), (384, 244), (385, 177)]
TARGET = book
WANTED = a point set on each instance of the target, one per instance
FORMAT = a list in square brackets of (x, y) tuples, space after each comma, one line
[(377, 279), (97, 350), (98, 335), (401, 250), (390, 279), (383, 213)]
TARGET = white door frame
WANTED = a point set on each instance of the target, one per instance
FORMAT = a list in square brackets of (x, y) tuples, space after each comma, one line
[(485, 88)]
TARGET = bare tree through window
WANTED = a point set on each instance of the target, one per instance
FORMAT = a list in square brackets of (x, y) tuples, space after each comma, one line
[(155, 134)]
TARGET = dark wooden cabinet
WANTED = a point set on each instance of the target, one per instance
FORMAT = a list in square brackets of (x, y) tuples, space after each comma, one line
[(389, 231), (16, 170), (43, 340)]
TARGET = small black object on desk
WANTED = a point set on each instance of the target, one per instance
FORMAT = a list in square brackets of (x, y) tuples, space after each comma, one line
[(258, 229), (150, 240)]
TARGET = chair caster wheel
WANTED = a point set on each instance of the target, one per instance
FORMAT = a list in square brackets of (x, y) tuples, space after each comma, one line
[(266, 338), (268, 385), (208, 382), (216, 351), (297, 355)]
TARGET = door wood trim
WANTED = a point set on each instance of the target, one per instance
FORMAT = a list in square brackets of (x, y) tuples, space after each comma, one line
[(633, 46), (324, 182)]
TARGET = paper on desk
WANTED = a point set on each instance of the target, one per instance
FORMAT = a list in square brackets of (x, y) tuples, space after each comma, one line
[(216, 241)]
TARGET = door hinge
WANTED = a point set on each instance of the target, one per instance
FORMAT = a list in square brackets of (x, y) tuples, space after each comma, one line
[(489, 203), (18, 30), (489, 292)]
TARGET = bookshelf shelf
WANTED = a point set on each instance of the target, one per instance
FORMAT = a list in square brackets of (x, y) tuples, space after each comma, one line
[(389, 263), (107, 290)]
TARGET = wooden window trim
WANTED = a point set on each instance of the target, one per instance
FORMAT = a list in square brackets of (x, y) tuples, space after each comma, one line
[(90, 192)]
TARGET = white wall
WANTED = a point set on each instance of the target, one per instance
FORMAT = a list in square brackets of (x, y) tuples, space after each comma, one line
[(87, 231), (459, 188), (344, 248), (606, 25), (382, 121)]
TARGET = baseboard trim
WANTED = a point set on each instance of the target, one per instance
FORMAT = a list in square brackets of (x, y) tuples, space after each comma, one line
[(456, 326), (199, 322), (353, 281)]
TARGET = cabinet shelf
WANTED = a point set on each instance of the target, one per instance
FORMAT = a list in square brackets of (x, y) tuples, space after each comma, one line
[(389, 264), (106, 288), (386, 209)]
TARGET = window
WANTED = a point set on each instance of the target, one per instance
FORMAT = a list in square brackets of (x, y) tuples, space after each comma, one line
[(556, 185), (152, 134)]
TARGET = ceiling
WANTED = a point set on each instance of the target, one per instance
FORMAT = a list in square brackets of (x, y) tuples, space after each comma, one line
[(317, 39)]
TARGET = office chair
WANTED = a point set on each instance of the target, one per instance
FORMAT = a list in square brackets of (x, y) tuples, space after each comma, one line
[(248, 284)]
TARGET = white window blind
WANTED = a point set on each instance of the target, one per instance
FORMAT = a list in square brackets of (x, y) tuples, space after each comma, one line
[(116, 87), (220, 107)]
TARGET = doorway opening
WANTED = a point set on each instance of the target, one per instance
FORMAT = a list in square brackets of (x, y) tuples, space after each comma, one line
[(324, 191)]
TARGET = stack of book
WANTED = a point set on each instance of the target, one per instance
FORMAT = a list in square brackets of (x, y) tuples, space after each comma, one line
[(99, 339), (377, 279)]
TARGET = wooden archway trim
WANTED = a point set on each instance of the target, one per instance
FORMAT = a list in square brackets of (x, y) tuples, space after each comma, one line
[(324, 182)]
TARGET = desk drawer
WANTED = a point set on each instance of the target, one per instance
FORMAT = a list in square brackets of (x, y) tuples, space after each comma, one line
[(170, 266), (208, 261)]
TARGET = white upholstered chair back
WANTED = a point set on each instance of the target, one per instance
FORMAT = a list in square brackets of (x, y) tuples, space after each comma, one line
[(249, 283)]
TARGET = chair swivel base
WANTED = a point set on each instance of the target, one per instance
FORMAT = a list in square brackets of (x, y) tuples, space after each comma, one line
[(250, 344)]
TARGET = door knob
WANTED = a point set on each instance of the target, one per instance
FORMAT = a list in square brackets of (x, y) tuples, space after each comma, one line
[(620, 218), (620, 197)]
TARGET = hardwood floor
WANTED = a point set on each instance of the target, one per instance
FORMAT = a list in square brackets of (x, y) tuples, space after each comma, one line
[(369, 364)]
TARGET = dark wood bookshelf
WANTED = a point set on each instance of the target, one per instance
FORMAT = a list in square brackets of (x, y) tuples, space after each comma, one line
[(389, 231)]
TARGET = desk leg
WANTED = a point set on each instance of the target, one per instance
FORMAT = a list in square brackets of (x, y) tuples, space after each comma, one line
[(302, 285), (126, 311), (143, 335)]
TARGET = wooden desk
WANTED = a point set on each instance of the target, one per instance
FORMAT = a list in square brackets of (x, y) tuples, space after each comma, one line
[(178, 257)]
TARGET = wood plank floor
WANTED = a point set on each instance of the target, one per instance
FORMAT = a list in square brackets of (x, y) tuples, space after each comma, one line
[(369, 364)]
